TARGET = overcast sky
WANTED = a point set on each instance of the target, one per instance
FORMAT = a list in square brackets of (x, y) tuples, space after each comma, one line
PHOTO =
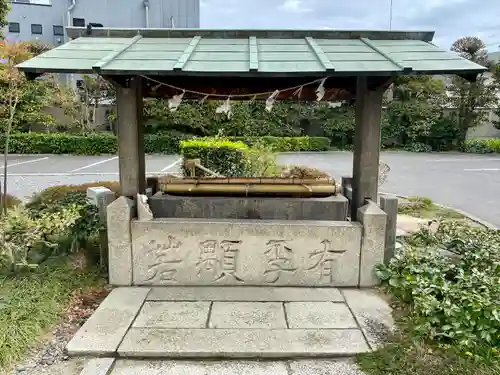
[(451, 19)]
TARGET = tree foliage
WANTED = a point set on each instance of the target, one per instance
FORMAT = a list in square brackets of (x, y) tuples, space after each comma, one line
[(4, 11), (471, 98)]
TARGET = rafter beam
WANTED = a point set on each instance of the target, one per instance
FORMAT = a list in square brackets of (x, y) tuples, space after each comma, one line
[(369, 43), (320, 54), (107, 59), (254, 54), (181, 63)]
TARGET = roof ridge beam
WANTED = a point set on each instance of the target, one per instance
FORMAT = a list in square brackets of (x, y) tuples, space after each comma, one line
[(107, 59), (181, 63), (253, 54), (320, 54), (369, 43)]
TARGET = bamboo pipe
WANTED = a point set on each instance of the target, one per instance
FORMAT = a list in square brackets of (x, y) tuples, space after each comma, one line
[(250, 190), (246, 180)]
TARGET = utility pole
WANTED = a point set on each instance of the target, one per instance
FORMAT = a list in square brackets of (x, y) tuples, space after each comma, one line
[(390, 17)]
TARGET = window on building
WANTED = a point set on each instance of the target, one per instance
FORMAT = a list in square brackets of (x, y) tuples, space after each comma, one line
[(58, 30), (79, 22), (36, 29), (14, 27)]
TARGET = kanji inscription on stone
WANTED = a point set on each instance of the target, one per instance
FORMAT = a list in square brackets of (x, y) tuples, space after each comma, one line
[(218, 260), (324, 259), (165, 261), (279, 260)]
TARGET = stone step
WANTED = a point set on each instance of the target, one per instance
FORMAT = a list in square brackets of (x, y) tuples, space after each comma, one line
[(233, 322), (241, 343)]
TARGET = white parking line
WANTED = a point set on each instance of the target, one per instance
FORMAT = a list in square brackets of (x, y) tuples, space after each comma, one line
[(24, 162), (461, 160), (93, 164), (73, 174), (483, 170), (172, 165)]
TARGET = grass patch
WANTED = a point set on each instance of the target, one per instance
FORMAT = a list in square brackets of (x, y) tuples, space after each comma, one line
[(424, 208), (33, 302), (406, 355)]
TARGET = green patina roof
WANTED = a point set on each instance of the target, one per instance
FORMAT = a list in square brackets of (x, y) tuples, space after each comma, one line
[(249, 52)]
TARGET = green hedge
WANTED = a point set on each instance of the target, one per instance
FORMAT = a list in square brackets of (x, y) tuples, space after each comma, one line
[(222, 156), (482, 146), (105, 143)]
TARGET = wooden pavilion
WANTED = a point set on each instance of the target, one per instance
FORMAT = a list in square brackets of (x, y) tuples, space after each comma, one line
[(357, 65)]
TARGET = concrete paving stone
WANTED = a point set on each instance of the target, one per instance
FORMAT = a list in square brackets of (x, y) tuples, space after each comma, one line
[(373, 314), (244, 294), (241, 343), (173, 315), (247, 315), (98, 366), (319, 315), (104, 330), (130, 367), (410, 224), (324, 367)]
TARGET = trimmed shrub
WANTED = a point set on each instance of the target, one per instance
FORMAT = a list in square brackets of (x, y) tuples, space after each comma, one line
[(164, 143), (11, 200), (222, 156), (482, 146), (55, 194)]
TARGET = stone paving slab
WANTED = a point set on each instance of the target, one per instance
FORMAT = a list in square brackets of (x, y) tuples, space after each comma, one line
[(373, 314), (241, 343), (130, 367), (244, 294), (237, 367), (319, 315), (268, 315), (173, 315), (104, 330), (324, 367), (98, 366)]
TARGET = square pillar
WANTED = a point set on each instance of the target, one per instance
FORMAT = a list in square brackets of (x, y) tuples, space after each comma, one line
[(366, 144), (130, 130)]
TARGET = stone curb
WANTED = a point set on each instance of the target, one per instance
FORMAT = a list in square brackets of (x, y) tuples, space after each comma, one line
[(466, 214)]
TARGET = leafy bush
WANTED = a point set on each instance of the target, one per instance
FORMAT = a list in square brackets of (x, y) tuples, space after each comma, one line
[(417, 147), (221, 156), (26, 241), (482, 146), (451, 281), (55, 194), (84, 231), (11, 200), (261, 161), (162, 143)]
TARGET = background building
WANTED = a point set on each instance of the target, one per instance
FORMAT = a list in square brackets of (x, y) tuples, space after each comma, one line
[(45, 20)]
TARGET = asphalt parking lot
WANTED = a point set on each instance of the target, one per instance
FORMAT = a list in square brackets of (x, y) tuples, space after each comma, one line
[(468, 182)]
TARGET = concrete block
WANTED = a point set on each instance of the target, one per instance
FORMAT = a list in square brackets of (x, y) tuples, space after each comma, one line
[(119, 214), (173, 315), (245, 252), (241, 343), (143, 209), (373, 220), (324, 367), (373, 314), (98, 366), (389, 204), (247, 315), (329, 208), (244, 294), (131, 367), (104, 330), (319, 315)]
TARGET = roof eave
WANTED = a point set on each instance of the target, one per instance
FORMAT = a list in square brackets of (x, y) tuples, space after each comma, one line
[(76, 32)]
